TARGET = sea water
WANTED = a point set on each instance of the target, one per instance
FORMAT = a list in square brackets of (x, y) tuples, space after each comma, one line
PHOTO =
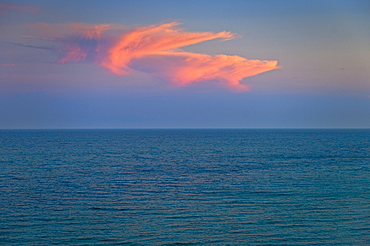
[(185, 187)]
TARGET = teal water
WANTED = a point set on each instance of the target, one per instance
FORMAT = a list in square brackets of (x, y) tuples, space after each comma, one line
[(185, 187)]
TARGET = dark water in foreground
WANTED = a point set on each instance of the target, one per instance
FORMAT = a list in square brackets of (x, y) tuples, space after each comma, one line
[(185, 187)]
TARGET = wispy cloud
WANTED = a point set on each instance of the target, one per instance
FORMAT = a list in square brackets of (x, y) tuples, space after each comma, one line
[(183, 68), (7, 64), (4, 7), (33, 46), (153, 49)]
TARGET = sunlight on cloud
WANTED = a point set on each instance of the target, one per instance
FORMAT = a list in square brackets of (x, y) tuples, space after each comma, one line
[(153, 49)]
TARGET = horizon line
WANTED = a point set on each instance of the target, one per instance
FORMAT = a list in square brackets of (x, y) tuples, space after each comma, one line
[(192, 128)]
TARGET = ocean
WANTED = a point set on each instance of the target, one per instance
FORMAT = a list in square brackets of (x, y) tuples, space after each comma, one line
[(185, 187)]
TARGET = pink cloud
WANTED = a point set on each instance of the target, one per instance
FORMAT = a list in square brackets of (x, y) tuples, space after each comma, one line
[(184, 68), (153, 49), (151, 40), (4, 6)]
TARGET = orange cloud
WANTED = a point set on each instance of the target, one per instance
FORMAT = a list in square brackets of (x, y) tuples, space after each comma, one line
[(184, 68), (154, 50), (150, 40)]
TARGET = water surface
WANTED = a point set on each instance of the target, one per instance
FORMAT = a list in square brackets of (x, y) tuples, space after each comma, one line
[(185, 187)]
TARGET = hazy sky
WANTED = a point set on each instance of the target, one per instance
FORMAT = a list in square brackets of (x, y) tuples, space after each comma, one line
[(199, 64)]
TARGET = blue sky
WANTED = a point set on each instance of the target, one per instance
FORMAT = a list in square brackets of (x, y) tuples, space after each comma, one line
[(322, 48)]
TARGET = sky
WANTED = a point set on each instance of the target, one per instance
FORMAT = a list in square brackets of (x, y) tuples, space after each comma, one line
[(184, 64)]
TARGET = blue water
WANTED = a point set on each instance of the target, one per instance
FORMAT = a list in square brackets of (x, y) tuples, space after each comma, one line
[(185, 187)]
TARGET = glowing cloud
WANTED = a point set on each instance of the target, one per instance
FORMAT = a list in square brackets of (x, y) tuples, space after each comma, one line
[(154, 50), (185, 68), (151, 40)]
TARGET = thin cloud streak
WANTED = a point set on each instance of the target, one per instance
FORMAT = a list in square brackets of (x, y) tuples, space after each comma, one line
[(8, 64), (153, 49), (4, 7), (33, 46)]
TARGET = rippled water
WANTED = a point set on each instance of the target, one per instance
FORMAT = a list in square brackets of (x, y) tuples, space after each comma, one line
[(185, 187)]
